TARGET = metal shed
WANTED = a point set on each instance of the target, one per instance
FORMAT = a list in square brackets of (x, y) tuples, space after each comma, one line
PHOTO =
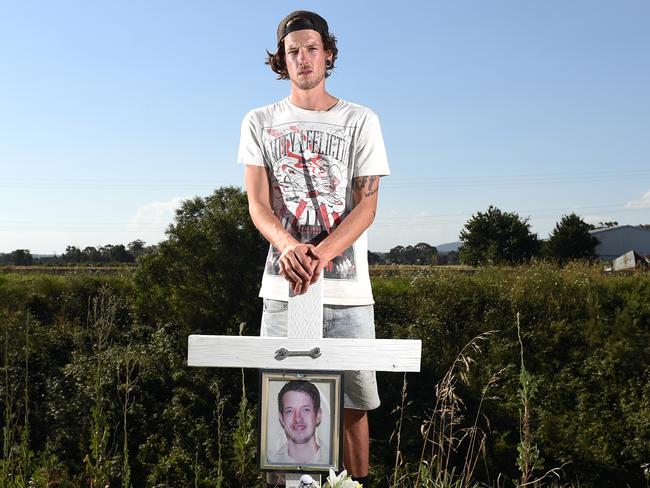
[(615, 241)]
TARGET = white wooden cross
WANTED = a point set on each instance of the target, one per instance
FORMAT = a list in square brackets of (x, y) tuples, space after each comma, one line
[(305, 332)]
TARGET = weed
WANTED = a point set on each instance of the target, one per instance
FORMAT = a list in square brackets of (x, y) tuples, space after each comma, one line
[(397, 434), (17, 464), (127, 366), (528, 459), (243, 435), (442, 433), (101, 321), (10, 428), (220, 402)]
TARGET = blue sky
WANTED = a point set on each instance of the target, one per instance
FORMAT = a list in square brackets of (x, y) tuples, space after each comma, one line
[(112, 112)]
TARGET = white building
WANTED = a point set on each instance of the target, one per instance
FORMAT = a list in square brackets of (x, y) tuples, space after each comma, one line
[(616, 241)]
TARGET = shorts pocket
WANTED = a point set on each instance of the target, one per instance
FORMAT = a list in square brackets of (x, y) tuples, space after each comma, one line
[(275, 306)]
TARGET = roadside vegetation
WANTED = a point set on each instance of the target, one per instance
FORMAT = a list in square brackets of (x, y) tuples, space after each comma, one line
[(532, 375)]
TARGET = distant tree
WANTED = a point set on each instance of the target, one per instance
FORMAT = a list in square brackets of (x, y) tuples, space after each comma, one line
[(21, 257), (452, 257), (72, 254), (136, 248), (105, 252), (497, 237), (425, 253), (374, 258), (49, 259), (421, 253), (645, 226), (117, 254), (603, 225), (570, 240), (110, 253), (91, 254), (206, 275), (394, 254)]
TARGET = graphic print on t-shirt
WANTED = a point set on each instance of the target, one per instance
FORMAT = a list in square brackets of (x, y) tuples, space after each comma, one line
[(310, 169)]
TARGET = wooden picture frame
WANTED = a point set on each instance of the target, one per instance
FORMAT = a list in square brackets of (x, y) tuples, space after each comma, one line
[(303, 438)]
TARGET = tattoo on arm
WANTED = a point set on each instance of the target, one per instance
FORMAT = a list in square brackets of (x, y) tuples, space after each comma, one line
[(368, 185), (373, 185), (360, 182)]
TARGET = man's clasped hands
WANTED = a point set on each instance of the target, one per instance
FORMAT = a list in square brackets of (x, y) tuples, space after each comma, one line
[(301, 265)]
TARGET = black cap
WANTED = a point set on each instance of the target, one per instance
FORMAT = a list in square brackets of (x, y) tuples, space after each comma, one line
[(308, 20)]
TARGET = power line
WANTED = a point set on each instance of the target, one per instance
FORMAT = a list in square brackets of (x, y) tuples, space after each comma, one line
[(66, 184), (533, 213), (510, 179), (392, 182), (396, 221), (533, 216)]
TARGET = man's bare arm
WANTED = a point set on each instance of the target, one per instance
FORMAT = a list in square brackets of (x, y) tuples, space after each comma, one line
[(365, 193), (297, 260)]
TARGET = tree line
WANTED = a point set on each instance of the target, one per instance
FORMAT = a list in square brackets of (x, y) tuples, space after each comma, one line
[(496, 237), (490, 237), (107, 254)]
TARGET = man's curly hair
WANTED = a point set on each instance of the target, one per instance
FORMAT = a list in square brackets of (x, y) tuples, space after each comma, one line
[(278, 63)]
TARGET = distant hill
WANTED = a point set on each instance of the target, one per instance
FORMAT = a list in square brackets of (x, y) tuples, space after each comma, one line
[(450, 246)]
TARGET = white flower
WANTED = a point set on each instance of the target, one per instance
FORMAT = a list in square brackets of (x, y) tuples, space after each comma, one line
[(341, 481)]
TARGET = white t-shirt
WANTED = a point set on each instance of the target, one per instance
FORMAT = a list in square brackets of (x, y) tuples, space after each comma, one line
[(312, 158)]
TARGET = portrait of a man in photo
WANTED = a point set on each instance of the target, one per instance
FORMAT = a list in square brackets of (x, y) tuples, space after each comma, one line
[(300, 414)]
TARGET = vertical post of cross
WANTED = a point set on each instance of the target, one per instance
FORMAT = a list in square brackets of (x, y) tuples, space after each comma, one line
[(305, 321)]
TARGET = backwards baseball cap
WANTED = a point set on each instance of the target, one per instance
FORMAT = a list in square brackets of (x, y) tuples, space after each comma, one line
[(306, 20)]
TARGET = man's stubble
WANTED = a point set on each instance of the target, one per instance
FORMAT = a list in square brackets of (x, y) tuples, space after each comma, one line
[(308, 84)]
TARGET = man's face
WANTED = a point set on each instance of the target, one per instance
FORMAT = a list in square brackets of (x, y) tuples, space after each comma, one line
[(299, 417), (305, 58)]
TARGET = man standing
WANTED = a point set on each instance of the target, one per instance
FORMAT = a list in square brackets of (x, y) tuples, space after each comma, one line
[(312, 167), (300, 413)]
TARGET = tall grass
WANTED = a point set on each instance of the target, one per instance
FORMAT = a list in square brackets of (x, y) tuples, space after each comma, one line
[(10, 428), (243, 439), (399, 460), (26, 455), (528, 458), (243, 436), (443, 432), (127, 365), (101, 322), (18, 459), (452, 449), (220, 401)]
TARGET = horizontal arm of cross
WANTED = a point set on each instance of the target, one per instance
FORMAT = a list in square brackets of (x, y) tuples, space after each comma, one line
[(335, 354)]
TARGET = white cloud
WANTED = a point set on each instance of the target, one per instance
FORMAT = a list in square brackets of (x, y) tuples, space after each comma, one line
[(155, 216), (643, 203)]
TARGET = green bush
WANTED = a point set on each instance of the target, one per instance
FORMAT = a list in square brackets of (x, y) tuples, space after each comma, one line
[(586, 337), (588, 348)]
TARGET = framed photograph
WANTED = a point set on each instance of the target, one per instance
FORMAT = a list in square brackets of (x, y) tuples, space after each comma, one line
[(300, 421)]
